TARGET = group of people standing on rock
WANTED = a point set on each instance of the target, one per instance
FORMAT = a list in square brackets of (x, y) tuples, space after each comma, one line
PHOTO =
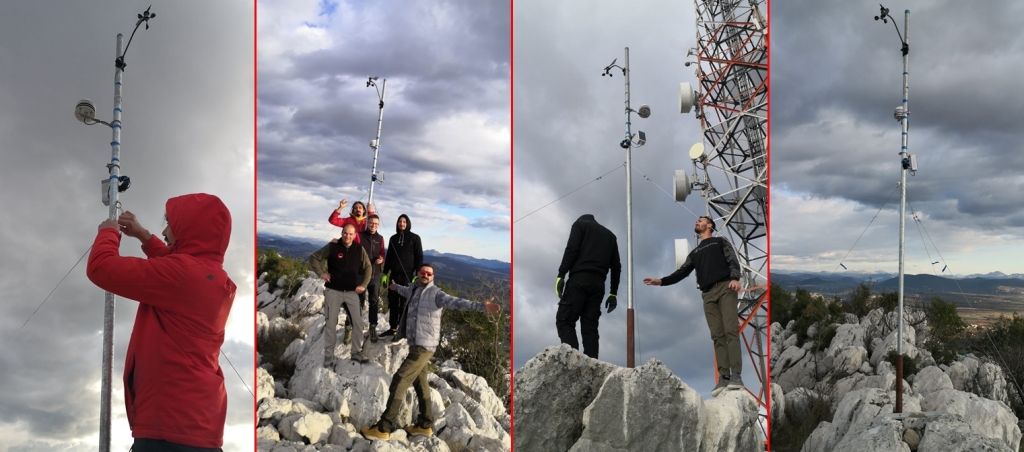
[(592, 251), (353, 269)]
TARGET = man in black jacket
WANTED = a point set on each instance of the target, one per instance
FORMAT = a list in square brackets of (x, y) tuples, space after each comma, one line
[(345, 269), (373, 243), (590, 253), (718, 278), (403, 258)]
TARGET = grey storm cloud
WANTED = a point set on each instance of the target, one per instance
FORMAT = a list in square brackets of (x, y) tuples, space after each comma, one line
[(446, 127), (568, 125), (188, 127), (493, 223), (837, 77)]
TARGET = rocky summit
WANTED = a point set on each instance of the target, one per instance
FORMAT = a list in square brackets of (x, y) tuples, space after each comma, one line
[(957, 407), (567, 401), (318, 409)]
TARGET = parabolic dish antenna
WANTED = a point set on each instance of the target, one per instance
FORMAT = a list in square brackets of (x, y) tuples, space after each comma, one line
[(687, 98), (681, 182), (696, 151)]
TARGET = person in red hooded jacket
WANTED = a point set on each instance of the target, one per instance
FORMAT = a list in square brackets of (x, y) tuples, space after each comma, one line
[(173, 384), (357, 217)]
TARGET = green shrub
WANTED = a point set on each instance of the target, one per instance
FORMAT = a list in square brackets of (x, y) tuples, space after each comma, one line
[(780, 303), (276, 266), (947, 330), (909, 364), (272, 346)]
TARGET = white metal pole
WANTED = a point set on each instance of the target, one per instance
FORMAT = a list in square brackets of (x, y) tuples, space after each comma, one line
[(108, 306), (630, 321), (376, 148), (903, 205)]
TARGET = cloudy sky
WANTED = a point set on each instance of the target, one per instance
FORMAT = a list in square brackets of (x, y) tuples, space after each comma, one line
[(837, 77), (188, 127), (568, 123), (445, 145)]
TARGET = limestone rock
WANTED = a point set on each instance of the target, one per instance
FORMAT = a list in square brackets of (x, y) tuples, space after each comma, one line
[(731, 424), (778, 417), (876, 435), (987, 418), (951, 433), (849, 360), (651, 409), (889, 344), (264, 384), (847, 336), (551, 392), (912, 438), (931, 379)]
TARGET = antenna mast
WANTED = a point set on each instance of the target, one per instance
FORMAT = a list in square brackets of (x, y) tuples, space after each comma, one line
[(375, 144)]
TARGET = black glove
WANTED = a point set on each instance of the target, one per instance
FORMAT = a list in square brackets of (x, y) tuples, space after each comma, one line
[(610, 303), (559, 286)]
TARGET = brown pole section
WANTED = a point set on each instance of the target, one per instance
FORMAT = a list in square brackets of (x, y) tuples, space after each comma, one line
[(899, 384), (629, 338)]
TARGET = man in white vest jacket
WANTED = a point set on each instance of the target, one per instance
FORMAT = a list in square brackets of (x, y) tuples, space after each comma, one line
[(421, 324)]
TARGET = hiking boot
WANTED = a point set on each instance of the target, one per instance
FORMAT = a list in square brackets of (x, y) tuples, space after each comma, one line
[(723, 383), (419, 431), (360, 358), (735, 382), (328, 365), (372, 433), (373, 333), (348, 334), (390, 332)]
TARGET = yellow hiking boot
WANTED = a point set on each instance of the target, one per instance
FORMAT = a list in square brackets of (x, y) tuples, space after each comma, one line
[(419, 431), (372, 433)]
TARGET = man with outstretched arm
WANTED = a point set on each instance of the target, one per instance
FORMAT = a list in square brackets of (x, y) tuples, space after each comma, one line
[(590, 253), (173, 384), (718, 278), (345, 269), (421, 324)]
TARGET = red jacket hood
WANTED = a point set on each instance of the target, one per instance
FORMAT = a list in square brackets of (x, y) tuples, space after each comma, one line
[(201, 225)]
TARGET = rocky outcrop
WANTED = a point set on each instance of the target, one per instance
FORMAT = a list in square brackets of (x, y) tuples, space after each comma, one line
[(318, 409), (962, 406), (566, 401)]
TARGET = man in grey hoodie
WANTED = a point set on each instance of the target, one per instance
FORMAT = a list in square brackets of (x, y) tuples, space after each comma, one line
[(421, 324)]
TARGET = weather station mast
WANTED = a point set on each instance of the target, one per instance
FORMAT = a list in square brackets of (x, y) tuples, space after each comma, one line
[(630, 141), (115, 183), (375, 176), (907, 163), (730, 165)]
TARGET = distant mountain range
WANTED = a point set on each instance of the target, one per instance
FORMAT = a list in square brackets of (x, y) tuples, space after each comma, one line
[(456, 270), (823, 283)]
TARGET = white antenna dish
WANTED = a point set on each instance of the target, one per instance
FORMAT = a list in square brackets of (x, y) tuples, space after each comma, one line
[(682, 250), (644, 111), (682, 185), (898, 114), (687, 98), (85, 111), (696, 151)]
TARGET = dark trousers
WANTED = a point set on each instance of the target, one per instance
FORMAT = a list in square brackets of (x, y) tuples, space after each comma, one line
[(721, 311), (581, 301), (159, 445), (372, 292), (413, 371), (396, 303)]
